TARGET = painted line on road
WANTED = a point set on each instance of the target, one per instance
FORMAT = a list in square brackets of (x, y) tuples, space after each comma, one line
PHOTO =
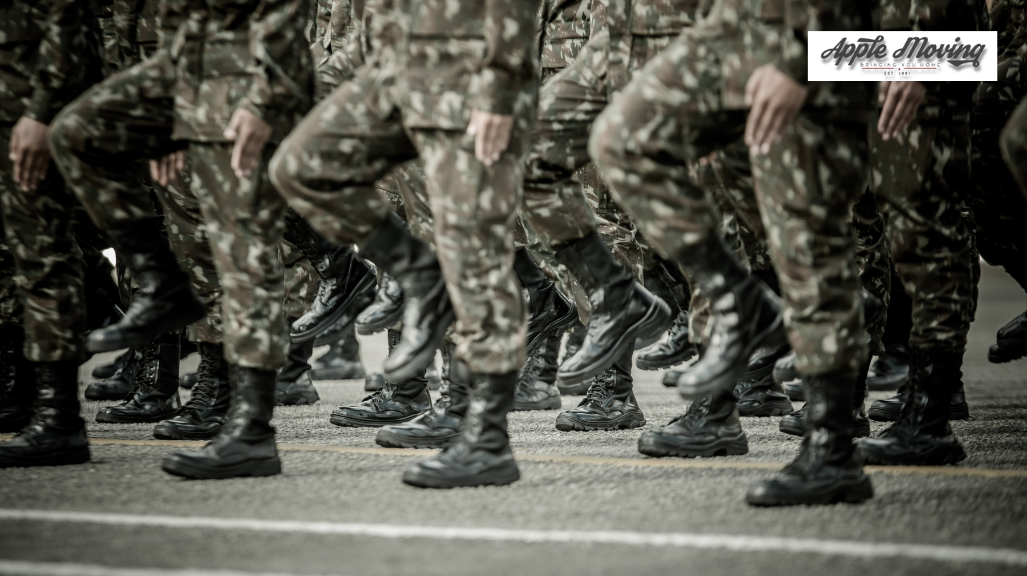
[(677, 463), (733, 542), (14, 567)]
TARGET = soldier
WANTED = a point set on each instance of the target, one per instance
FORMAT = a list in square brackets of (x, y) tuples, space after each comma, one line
[(692, 92), (54, 52), (422, 103), (254, 81)]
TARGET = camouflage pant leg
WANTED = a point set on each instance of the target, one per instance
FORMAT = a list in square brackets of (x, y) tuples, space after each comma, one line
[(244, 220), (49, 271), (920, 176), (187, 235), (699, 313), (11, 308), (873, 256), (558, 273), (555, 205), (328, 165), (734, 178), (806, 186), (475, 209), (637, 141), (127, 118), (999, 207), (613, 226), (1013, 144), (301, 280), (407, 183)]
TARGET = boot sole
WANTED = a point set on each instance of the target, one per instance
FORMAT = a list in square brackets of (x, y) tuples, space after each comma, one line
[(71, 457), (552, 403), (680, 358), (885, 384), (854, 493), (793, 390), (391, 440), (570, 424), (883, 414), (726, 447), (768, 409), (426, 355), (573, 389), (171, 433), (298, 400), (367, 282), (97, 397), (266, 467), (498, 477), (175, 322), (383, 324), (862, 429), (937, 456), (999, 355), (650, 321), (349, 422), (104, 418), (560, 323)]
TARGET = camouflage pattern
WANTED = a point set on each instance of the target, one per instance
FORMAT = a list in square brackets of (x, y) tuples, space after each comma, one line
[(921, 176), (693, 91), (456, 60), (183, 97), (873, 256), (133, 33), (49, 274), (52, 51)]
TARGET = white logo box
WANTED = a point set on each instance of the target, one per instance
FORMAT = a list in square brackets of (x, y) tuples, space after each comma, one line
[(891, 55)]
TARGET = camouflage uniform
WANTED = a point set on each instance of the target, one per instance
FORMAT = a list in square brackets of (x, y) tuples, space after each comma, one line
[(416, 103), (693, 92), (999, 209), (215, 57), (53, 52)]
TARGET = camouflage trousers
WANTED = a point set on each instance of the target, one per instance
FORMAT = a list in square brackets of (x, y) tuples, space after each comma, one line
[(48, 272), (921, 176), (129, 117), (673, 113), (327, 169)]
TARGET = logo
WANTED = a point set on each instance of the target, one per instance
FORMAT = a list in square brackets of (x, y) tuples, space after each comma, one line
[(891, 55)]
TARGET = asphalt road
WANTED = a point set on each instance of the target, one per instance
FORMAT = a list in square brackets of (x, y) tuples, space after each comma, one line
[(586, 503)]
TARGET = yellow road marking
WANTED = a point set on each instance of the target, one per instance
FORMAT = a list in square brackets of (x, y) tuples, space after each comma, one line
[(699, 463)]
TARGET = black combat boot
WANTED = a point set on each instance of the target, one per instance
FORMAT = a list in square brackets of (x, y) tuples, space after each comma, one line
[(342, 361), (374, 381), (757, 393), (295, 387), (827, 469), (165, 301), (709, 427), (550, 311), (622, 310), (17, 380), (155, 395), (56, 435), (536, 382), (346, 286), (673, 350), (481, 454), (390, 404), (795, 422), (922, 435), (104, 371), (609, 403), (207, 409), (890, 409), (245, 446), (1011, 341), (385, 311), (440, 426), (745, 315), (891, 369), (427, 312), (788, 377), (670, 378), (121, 384)]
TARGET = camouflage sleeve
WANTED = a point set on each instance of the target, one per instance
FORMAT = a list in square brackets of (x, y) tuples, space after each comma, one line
[(280, 74), (63, 26), (509, 65), (618, 23)]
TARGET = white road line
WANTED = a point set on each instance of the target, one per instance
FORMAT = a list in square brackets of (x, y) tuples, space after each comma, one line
[(737, 542), (15, 568)]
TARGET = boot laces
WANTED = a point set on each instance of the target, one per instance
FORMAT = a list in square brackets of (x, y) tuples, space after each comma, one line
[(381, 395), (147, 369), (600, 389), (7, 367), (204, 393), (695, 412)]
